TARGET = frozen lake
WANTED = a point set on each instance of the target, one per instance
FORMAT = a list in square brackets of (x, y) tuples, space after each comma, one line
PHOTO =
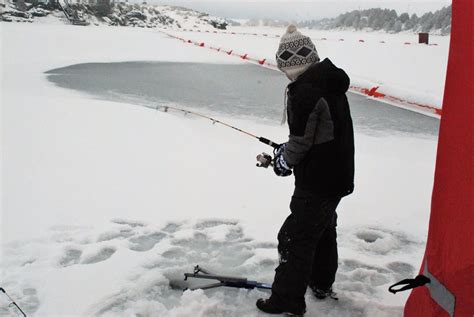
[(105, 202), (235, 90)]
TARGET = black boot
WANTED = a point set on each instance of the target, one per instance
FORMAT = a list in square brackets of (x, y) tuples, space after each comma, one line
[(268, 307), (322, 294)]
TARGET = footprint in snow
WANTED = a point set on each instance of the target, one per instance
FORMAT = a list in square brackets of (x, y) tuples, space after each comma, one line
[(174, 253), (130, 223), (357, 276), (200, 248), (28, 262), (265, 245), (219, 246), (234, 233), (401, 270), (172, 227), (30, 301), (146, 242), (71, 257), (116, 234), (348, 265), (102, 255), (205, 224)]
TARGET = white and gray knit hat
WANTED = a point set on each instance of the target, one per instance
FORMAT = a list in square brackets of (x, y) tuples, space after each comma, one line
[(296, 53)]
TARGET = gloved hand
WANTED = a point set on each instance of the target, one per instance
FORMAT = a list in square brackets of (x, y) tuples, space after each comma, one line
[(280, 166)]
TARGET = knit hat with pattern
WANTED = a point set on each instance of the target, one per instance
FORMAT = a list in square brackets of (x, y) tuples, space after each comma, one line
[(296, 53)]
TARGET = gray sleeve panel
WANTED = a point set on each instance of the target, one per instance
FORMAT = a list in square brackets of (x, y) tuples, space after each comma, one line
[(296, 149), (319, 129), (439, 293)]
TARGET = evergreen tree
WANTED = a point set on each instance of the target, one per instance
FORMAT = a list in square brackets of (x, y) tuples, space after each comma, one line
[(397, 27), (404, 17), (426, 22), (103, 8), (356, 22)]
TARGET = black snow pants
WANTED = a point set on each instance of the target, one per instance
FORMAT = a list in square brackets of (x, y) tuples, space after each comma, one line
[(308, 249)]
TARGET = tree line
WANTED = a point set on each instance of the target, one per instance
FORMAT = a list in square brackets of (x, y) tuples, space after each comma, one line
[(387, 20)]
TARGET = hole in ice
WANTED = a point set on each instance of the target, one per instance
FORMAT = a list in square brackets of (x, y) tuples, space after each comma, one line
[(383, 241), (369, 236)]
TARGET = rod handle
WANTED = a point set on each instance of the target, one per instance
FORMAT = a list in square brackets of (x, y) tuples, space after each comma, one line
[(268, 142)]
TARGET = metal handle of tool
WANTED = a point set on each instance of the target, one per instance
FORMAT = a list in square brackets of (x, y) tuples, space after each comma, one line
[(222, 280), (268, 142)]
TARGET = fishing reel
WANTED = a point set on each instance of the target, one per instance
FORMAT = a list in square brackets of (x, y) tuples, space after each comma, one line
[(264, 160)]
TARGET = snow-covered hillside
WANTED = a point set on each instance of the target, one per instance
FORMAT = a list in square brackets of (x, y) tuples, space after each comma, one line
[(120, 14), (104, 202)]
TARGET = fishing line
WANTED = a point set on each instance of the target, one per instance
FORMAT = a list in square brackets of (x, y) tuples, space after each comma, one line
[(12, 302), (214, 121)]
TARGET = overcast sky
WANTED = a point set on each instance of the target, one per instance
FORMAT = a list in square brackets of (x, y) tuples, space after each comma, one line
[(301, 9)]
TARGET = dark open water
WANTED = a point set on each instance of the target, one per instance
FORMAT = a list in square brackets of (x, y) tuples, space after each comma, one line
[(236, 90)]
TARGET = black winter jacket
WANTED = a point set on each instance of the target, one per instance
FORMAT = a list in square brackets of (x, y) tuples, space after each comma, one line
[(321, 140)]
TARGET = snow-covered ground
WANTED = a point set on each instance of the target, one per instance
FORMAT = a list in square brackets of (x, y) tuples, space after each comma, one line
[(104, 202)]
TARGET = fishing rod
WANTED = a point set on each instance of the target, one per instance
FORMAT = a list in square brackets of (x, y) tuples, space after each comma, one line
[(12, 302), (264, 159)]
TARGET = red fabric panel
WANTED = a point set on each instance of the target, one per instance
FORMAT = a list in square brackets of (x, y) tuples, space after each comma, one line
[(450, 247)]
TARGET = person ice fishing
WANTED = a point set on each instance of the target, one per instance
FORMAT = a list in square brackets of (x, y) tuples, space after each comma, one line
[(320, 153)]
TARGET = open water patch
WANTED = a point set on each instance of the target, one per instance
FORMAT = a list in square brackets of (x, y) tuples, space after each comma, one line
[(232, 90)]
